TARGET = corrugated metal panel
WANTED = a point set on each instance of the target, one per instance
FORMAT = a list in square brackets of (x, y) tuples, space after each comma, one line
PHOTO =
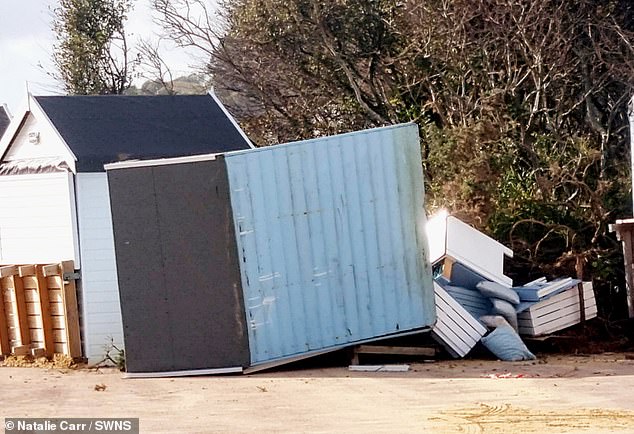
[(330, 235)]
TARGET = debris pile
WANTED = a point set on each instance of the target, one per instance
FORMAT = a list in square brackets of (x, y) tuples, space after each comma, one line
[(476, 302)]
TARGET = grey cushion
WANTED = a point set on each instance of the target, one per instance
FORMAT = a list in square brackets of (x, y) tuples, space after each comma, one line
[(507, 345), (493, 321), (495, 290), (505, 309)]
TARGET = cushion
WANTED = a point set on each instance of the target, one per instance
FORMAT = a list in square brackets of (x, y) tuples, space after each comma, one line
[(493, 321), (505, 309), (495, 290), (507, 345)]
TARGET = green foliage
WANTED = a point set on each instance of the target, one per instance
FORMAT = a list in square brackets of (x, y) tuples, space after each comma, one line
[(91, 53), (114, 355), (522, 104)]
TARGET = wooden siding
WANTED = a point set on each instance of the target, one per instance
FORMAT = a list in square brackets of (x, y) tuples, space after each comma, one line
[(101, 311), (37, 221)]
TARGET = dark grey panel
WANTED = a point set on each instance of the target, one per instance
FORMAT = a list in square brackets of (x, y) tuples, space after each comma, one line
[(179, 280), (144, 300)]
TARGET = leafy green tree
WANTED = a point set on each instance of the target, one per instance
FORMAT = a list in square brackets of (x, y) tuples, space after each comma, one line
[(522, 104), (91, 53)]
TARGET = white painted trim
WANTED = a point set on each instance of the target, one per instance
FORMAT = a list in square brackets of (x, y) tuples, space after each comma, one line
[(73, 217), (631, 119), (38, 111), (378, 368), (167, 374), (231, 118), (337, 136), (7, 111), (159, 161)]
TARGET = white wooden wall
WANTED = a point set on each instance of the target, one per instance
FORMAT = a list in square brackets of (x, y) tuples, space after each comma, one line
[(101, 311), (50, 143), (37, 219)]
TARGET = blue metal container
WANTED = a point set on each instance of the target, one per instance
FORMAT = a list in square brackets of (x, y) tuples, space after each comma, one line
[(331, 241), (321, 245)]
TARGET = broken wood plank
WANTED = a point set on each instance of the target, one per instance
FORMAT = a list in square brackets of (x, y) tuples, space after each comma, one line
[(38, 352), (71, 312), (559, 324), (399, 351), (20, 307), (21, 350), (52, 270), (26, 270), (447, 267), (10, 270), (378, 368), (5, 348), (45, 311), (559, 312)]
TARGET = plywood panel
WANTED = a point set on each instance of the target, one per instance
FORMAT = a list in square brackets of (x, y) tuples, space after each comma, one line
[(455, 328), (177, 267)]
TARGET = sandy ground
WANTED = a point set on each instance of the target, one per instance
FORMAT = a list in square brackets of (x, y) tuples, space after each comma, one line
[(558, 394)]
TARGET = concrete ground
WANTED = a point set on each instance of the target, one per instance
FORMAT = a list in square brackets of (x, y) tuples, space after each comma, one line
[(557, 394)]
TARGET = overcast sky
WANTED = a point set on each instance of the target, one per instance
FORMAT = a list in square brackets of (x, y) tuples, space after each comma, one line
[(26, 44)]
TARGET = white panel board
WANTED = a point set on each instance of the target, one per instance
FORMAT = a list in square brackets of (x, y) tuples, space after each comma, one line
[(101, 311), (448, 236), (37, 220), (477, 251), (456, 329), (436, 229), (557, 312)]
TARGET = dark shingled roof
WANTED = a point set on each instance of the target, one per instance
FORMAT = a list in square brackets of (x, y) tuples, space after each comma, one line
[(105, 129), (5, 120)]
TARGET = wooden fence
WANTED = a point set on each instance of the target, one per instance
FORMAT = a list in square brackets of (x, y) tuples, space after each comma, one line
[(39, 313)]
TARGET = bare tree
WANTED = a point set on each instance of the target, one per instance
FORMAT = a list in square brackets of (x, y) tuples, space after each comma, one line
[(522, 104), (155, 67)]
